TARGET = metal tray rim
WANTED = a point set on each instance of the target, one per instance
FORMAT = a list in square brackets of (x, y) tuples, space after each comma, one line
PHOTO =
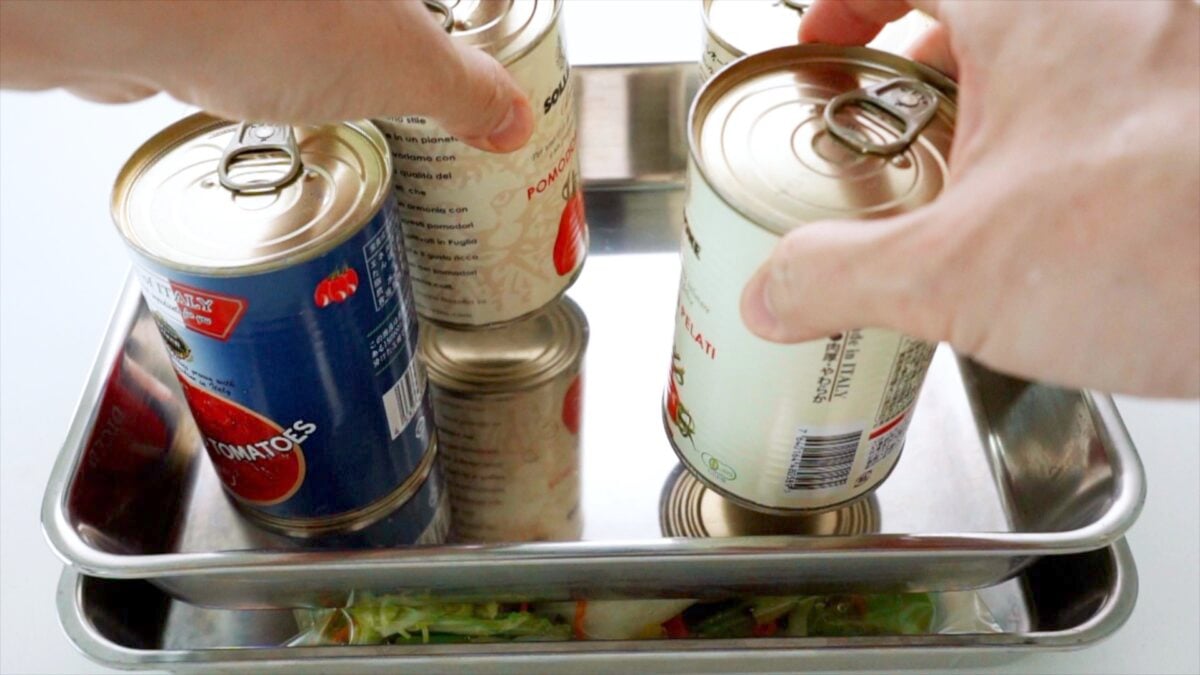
[(1108, 618), (73, 550)]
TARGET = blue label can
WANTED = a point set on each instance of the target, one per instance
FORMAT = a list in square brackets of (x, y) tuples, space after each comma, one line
[(273, 264)]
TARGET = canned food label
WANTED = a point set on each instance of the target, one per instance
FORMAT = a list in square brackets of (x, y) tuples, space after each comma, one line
[(492, 237), (715, 56), (303, 381), (784, 426), (512, 462), (896, 37)]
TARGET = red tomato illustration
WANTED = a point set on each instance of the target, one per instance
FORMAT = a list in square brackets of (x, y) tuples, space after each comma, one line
[(572, 233), (572, 405), (339, 288), (324, 294), (264, 476), (673, 401)]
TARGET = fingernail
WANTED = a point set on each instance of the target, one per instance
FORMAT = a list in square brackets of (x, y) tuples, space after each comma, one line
[(512, 131)]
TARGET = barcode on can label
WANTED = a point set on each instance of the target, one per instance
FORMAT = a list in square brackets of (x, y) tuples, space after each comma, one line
[(821, 461), (403, 401)]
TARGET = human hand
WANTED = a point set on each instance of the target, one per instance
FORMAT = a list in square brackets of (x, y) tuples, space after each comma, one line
[(267, 60), (1066, 245)]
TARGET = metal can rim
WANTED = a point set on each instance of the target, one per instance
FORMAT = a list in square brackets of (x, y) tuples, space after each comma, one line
[(160, 145), (351, 521), (453, 382), (711, 91), (712, 32), (534, 41)]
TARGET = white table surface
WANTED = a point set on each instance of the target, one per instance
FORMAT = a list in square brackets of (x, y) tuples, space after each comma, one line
[(62, 264)]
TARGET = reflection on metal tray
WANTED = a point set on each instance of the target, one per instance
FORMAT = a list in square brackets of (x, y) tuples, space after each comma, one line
[(1059, 602), (997, 471)]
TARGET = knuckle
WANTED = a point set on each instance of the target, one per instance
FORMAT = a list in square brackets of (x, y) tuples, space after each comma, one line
[(495, 101), (787, 272)]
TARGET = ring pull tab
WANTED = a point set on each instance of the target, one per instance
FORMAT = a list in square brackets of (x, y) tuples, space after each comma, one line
[(442, 9), (256, 137), (912, 102)]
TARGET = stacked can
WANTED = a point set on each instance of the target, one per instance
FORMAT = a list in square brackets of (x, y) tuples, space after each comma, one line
[(274, 268), (493, 237), (734, 28), (847, 133), (508, 404)]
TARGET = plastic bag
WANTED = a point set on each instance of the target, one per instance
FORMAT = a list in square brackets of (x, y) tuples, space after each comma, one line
[(396, 619)]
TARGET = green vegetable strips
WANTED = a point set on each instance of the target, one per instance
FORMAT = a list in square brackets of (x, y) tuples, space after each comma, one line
[(378, 619), (372, 619)]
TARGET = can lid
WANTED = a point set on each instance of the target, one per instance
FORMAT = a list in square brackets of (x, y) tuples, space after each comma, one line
[(512, 357), (751, 26), (760, 136), (689, 509), (172, 203), (506, 29)]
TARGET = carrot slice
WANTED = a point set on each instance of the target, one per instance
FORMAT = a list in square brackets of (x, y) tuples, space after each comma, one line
[(765, 629), (675, 627), (580, 614)]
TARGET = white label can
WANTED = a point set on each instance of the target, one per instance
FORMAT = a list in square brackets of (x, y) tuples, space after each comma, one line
[(495, 237), (791, 427), (734, 28), (509, 405)]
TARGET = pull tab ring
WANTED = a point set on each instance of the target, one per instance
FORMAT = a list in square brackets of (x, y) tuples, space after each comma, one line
[(439, 7), (912, 102), (258, 137)]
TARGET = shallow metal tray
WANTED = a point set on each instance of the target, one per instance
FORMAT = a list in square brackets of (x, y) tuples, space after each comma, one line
[(1060, 602), (997, 471)]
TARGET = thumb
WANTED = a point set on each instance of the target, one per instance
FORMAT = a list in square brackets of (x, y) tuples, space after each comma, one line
[(830, 276), (465, 90), (376, 60), (484, 107)]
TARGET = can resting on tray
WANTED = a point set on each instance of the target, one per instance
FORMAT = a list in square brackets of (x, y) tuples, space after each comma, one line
[(509, 406), (778, 140), (273, 266)]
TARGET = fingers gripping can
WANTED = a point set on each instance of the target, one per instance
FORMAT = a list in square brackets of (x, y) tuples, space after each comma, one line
[(734, 28), (509, 407), (273, 266), (494, 237), (778, 139)]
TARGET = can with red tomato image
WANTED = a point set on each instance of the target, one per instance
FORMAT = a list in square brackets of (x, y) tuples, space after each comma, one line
[(273, 265), (494, 237), (509, 406)]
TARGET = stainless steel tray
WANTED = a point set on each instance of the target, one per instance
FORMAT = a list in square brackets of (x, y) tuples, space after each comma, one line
[(996, 473), (1060, 602)]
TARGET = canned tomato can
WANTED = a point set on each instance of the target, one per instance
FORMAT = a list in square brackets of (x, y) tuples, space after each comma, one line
[(734, 28), (273, 266), (809, 426), (494, 237), (509, 403)]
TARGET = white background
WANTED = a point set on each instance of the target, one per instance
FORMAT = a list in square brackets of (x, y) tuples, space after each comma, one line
[(62, 264)]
